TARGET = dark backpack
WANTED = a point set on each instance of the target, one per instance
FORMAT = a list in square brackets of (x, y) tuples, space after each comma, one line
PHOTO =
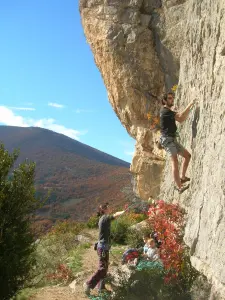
[(130, 254)]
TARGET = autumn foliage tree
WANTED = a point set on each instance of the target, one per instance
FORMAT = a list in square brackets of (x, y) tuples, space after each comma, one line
[(168, 221), (17, 204), (174, 280)]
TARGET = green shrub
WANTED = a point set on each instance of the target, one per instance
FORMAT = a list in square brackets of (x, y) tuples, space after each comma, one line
[(120, 228), (149, 284), (17, 206), (134, 237), (53, 251), (93, 222), (68, 226), (141, 217), (75, 259)]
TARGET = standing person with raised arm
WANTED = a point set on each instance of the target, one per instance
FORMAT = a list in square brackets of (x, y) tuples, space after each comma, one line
[(168, 118), (103, 247)]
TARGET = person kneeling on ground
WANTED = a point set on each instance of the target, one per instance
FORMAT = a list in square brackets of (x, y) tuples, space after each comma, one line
[(103, 247), (145, 240), (152, 252)]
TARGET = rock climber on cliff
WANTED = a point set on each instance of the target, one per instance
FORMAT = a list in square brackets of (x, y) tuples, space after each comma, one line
[(168, 118)]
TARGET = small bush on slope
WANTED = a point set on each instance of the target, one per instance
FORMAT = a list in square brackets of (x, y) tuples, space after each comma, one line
[(149, 284), (52, 253), (17, 204), (93, 222), (120, 228), (134, 237)]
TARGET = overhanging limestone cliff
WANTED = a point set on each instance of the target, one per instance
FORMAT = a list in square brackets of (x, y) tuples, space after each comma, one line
[(126, 40), (143, 46)]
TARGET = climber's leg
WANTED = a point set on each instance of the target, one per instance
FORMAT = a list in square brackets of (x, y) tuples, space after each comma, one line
[(173, 148), (169, 144), (175, 169), (187, 157)]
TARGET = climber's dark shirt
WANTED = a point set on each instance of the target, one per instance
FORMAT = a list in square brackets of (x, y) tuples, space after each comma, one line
[(104, 228), (167, 122)]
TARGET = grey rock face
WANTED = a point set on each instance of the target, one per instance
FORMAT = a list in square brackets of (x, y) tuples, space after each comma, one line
[(202, 76), (143, 48)]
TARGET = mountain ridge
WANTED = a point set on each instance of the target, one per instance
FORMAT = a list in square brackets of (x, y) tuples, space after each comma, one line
[(27, 130), (77, 176)]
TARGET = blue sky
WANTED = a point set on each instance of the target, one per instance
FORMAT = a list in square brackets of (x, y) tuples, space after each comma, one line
[(49, 79)]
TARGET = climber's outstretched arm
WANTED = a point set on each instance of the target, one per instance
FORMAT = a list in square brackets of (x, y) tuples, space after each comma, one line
[(119, 213), (182, 116)]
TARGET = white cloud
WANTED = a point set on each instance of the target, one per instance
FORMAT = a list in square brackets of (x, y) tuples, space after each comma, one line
[(23, 108), (8, 117), (56, 105), (130, 153), (50, 124)]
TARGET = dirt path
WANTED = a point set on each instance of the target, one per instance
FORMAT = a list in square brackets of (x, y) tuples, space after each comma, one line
[(90, 263), (55, 293)]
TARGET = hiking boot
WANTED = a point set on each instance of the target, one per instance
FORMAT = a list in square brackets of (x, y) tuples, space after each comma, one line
[(182, 189), (185, 179), (87, 289)]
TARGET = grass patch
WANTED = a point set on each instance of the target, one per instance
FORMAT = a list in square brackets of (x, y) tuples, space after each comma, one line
[(52, 253), (75, 258), (118, 251)]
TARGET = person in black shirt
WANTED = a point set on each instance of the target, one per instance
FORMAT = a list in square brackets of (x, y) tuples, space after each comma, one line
[(168, 127), (103, 248)]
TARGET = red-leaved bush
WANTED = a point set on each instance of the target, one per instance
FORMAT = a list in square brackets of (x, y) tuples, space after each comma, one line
[(62, 274), (168, 221)]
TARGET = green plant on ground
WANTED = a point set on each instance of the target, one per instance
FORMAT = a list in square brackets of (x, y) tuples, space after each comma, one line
[(68, 226), (17, 206), (25, 294), (53, 251), (116, 253), (121, 227), (75, 258), (93, 222), (140, 217), (134, 237), (149, 284)]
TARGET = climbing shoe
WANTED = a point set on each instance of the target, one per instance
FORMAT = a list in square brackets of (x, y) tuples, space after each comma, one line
[(185, 179), (87, 289), (182, 189)]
